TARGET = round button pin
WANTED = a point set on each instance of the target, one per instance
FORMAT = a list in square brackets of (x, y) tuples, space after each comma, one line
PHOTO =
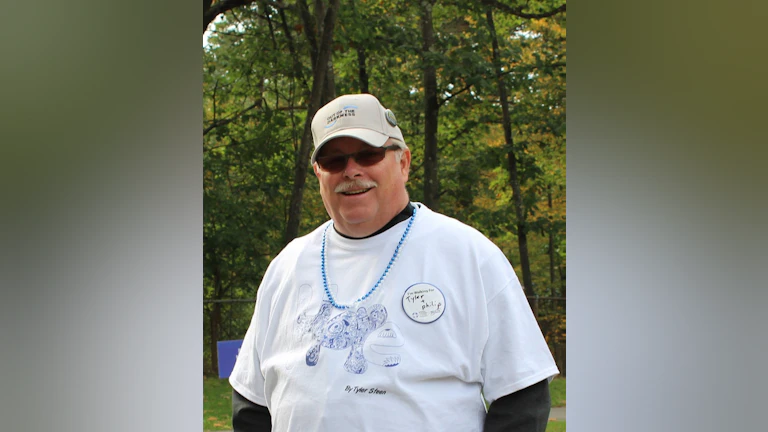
[(390, 116), (423, 303)]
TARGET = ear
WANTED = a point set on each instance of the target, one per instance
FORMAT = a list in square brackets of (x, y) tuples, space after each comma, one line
[(405, 163), (317, 170)]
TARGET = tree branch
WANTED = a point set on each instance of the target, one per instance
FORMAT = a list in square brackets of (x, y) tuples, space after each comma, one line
[(217, 123), (518, 11), (310, 30), (454, 94), (297, 71), (211, 11), (529, 69)]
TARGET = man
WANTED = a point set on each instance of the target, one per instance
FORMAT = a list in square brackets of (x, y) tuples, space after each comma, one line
[(388, 317)]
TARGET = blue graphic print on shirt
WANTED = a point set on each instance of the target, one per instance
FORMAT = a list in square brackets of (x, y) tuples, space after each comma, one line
[(347, 330)]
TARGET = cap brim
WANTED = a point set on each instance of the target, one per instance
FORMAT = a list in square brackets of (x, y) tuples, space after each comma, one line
[(368, 136)]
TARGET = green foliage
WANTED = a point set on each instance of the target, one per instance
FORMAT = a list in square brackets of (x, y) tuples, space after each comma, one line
[(257, 74)]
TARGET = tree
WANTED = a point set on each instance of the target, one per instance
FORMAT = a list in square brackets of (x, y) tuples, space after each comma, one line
[(211, 10), (319, 88), (266, 64), (431, 108), (522, 230)]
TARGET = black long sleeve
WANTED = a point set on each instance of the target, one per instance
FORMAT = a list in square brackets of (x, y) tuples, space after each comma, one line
[(525, 410), (248, 416)]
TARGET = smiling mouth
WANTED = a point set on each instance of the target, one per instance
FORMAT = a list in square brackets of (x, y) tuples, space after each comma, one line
[(356, 192)]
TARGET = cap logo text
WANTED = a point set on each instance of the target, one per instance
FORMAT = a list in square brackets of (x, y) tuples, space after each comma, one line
[(347, 111)]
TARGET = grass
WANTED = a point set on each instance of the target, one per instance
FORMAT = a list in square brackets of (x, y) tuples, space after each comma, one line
[(557, 392), (556, 426), (217, 404)]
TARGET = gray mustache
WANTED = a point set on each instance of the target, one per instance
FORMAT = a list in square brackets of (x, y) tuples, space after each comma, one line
[(354, 185)]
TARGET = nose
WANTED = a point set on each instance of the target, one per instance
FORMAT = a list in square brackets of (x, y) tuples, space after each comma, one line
[(352, 168)]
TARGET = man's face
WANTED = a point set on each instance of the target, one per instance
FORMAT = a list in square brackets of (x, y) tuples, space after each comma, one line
[(362, 199)]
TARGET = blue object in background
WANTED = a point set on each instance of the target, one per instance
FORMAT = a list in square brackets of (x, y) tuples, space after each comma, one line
[(228, 351)]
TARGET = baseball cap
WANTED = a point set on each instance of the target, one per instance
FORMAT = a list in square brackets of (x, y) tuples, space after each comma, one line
[(358, 116)]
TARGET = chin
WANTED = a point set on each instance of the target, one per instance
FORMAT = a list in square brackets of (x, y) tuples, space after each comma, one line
[(355, 218)]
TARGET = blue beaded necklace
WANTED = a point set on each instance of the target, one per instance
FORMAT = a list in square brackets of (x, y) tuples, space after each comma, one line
[(383, 275)]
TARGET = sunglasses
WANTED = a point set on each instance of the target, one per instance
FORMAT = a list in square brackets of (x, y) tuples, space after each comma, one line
[(338, 162)]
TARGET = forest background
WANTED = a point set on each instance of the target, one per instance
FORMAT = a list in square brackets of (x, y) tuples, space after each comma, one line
[(479, 92)]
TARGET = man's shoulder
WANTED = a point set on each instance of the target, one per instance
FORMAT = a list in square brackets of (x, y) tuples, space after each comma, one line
[(441, 226)]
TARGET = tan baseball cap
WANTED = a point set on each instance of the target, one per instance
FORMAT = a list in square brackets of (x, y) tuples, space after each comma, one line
[(359, 116)]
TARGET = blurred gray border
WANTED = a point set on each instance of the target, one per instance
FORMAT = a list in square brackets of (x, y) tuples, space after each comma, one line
[(102, 212)]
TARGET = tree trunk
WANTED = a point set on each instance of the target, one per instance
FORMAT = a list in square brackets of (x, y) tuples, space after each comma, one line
[(320, 70), (551, 245), (431, 107), (560, 360), (359, 45), (329, 89), (329, 86), (215, 324), (320, 9), (362, 71), (514, 179), (215, 319), (562, 281), (297, 70), (310, 30)]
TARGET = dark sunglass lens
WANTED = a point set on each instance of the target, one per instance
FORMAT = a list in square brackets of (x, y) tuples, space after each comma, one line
[(369, 157), (337, 163), (332, 163)]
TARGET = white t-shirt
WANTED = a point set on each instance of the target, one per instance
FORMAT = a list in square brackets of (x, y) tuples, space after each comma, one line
[(449, 320)]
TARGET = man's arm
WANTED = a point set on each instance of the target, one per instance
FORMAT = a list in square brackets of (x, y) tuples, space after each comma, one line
[(525, 410), (248, 416)]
